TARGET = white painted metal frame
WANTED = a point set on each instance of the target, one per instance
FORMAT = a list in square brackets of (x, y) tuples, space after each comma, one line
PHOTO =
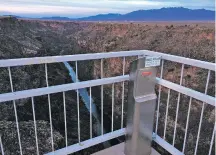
[(202, 111), (100, 82), (65, 119), (50, 111), (90, 92), (78, 111), (177, 108), (35, 125), (167, 109), (212, 140), (122, 114), (186, 128), (170, 148), (1, 146), (113, 97), (88, 143), (60, 88), (182, 60), (79, 57), (85, 84), (108, 136), (187, 91), (54, 59), (102, 100), (159, 96), (15, 111)]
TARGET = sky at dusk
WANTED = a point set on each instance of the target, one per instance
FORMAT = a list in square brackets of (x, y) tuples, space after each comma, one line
[(82, 8)]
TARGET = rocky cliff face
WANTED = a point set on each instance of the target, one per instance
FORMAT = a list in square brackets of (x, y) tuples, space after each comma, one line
[(19, 38), (11, 145), (192, 40), (34, 39)]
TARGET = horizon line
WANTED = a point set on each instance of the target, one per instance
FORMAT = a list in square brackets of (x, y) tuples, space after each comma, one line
[(69, 17)]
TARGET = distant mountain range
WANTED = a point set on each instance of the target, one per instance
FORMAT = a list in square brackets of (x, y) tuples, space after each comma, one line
[(163, 14), (56, 18)]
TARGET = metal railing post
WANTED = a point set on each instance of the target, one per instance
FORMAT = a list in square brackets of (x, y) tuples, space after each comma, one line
[(141, 106)]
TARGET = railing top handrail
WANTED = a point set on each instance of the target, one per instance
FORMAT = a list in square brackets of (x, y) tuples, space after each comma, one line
[(93, 56), (63, 58), (183, 60)]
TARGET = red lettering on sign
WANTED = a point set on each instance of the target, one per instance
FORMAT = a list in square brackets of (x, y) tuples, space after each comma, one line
[(146, 73)]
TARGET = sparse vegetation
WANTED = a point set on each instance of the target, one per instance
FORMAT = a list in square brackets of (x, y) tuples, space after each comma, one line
[(29, 38)]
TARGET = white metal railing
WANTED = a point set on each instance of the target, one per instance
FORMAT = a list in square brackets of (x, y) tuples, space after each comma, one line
[(13, 96)]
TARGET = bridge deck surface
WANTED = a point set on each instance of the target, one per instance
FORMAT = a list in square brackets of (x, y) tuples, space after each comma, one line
[(118, 150)]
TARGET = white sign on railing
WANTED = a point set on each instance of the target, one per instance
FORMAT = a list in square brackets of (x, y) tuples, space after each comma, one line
[(152, 61)]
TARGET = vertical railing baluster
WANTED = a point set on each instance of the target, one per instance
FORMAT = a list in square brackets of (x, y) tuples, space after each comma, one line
[(35, 125), (186, 128), (90, 112), (212, 140), (15, 111), (122, 113), (112, 106), (1, 145), (167, 109), (78, 110), (202, 111), (159, 96), (101, 98), (65, 119), (50, 112), (177, 108)]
